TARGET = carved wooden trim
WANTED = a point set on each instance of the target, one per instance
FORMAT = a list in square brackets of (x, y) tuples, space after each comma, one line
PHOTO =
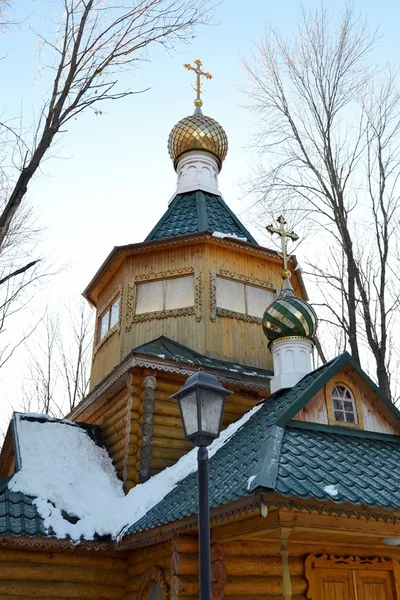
[(246, 279), (224, 312), (101, 310), (345, 381), (148, 395), (329, 561), (131, 317), (152, 576)]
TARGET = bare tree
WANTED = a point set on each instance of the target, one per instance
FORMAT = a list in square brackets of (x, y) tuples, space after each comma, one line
[(59, 363), (93, 43), (329, 127), (75, 353), (97, 42), (39, 388)]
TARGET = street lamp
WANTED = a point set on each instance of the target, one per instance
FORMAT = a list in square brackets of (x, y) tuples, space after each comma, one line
[(201, 402)]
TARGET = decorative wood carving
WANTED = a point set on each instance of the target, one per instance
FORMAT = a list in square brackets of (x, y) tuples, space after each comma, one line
[(350, 563), (342, 379), (100, 311), (152, 576), (196, 310), (148, 396), (214, 310)]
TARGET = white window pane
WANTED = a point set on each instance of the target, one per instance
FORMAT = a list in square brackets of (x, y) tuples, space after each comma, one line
[(179, 292), (149, 297), (114, 312), (230, 295), (258, 300), (103, 325)]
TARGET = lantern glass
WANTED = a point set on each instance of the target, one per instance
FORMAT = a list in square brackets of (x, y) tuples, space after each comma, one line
[(188, 406), (211, 409)]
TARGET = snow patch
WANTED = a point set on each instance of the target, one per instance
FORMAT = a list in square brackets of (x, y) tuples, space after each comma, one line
[(331, 490), (68, 473), (220, 234), (161, 356), (250, 480)]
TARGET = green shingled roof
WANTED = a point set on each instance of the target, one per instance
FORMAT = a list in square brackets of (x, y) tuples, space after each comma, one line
[(18, 514), (165, 348), (272, 452), (198, 211)]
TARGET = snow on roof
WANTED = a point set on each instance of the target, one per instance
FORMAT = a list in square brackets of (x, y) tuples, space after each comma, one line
[(68, 474)]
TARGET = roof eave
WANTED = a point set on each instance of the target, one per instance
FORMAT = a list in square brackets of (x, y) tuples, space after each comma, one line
[(120, 252)]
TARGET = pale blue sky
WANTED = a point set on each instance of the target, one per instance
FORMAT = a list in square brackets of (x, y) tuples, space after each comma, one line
[(115, 178)]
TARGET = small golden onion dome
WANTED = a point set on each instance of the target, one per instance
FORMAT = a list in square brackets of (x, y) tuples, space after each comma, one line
[(198, 132)]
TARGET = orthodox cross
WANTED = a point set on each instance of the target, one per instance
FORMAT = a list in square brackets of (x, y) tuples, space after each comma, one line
[(283, 233), (199, 73)]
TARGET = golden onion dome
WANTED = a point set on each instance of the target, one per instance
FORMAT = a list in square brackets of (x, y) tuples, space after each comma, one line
[(198, 132)]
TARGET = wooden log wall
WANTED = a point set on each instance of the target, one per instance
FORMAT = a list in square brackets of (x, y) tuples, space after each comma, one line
[(142, 563), (119, 422), (32, 574), (254, 570), (168, 440), (132, 431)]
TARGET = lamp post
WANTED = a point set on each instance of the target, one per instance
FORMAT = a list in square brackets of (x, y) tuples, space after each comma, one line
[(201, 402)]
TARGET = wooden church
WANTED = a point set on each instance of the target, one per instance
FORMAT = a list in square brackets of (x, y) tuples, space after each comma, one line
[(305, 484)]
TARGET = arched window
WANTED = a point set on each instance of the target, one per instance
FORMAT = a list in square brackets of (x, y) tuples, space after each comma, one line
[(344, 406), (155, 593)]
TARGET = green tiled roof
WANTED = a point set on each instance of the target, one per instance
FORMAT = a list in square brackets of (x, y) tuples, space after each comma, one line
[(165, 348), (18, 514), (272, 452), (197, 211)]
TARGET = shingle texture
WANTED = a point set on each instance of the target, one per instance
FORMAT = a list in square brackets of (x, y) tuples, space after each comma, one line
[(362, 470), (166, 348), (198, 211), (18, 514), (362, 466)]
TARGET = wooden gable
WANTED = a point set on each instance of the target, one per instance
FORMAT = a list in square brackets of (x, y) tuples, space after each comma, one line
[(372, 413)]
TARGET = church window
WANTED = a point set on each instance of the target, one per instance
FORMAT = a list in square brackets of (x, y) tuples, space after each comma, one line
[(109, 318), (155, 593), (165, 294), (242, 298), (344, 408)]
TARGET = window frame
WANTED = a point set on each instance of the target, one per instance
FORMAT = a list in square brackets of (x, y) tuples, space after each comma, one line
[(102, 311), (244, 280), (346, 383), (196, 310), (164, 294)]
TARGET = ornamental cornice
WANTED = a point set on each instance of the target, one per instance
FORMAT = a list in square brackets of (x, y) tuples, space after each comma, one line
[(186, 239)]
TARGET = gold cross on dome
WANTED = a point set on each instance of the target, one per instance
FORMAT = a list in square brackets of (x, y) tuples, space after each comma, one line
[(283, 233), (198, 85)]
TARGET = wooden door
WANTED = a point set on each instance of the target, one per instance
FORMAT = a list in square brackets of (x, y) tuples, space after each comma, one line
[(374, 585), (352, 578), (335, 584)]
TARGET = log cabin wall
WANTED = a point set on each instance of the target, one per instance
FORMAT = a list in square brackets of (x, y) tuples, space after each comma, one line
[(149, 566), (119, 420), (36, 574), (168, 442)]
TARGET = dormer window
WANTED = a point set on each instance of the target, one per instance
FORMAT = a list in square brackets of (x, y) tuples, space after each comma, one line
[(344, 408), (343, 402)]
